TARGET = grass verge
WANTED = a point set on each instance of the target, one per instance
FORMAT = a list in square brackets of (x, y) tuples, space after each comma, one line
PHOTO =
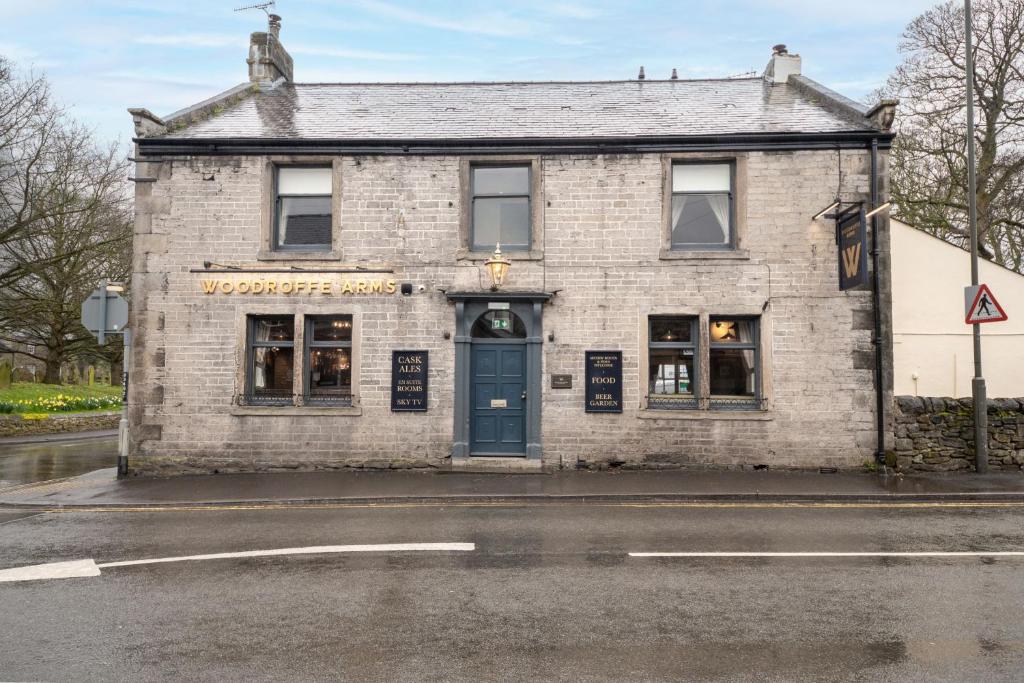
[(29, 398)]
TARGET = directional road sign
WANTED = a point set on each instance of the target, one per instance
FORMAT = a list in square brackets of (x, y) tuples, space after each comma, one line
[(980, 306), (104, 312)]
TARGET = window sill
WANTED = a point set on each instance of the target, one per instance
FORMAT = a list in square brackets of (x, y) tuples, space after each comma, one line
[(464, 254), (694, 414), (704, 255), (269, 255), (296, 411)]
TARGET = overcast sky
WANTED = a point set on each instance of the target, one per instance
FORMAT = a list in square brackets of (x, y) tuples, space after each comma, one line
[(104, 56)]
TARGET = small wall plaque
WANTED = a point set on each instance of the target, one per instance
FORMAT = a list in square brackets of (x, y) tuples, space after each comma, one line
[(561, 381)]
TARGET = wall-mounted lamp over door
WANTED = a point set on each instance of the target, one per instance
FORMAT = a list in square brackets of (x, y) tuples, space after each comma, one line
[(497, 266)]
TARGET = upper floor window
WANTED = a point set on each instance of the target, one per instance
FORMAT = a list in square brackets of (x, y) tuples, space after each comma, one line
[(702, 206), (303, 208), (500, 214)]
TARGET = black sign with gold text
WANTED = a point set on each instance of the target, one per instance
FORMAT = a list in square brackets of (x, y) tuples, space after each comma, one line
[(604, 381), (409, 381), (852, 237)]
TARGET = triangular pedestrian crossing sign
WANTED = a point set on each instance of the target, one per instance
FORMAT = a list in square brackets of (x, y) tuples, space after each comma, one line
[(981, 306)]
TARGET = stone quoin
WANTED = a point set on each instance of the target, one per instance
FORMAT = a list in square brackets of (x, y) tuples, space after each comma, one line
[(295, 242)]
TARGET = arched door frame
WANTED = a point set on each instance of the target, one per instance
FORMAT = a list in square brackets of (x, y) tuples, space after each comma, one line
[(468, 307)]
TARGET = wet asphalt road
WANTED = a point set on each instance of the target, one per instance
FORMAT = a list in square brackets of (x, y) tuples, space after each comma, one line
[(548, 594), (21, 463)]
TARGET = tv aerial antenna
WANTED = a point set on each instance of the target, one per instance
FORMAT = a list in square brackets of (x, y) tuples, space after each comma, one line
[(265, 6)]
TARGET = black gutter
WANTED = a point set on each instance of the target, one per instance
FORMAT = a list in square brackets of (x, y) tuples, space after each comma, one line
[(877, 306), (602, 145)]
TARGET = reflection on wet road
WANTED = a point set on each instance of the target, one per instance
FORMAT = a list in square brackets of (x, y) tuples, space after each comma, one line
[(24, 463)]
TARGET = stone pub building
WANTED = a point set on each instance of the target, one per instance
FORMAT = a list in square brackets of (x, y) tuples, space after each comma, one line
[(318, 283)]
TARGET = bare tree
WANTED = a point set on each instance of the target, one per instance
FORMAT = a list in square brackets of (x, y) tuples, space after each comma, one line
[(929, 157), (81, 233), (28, 120)]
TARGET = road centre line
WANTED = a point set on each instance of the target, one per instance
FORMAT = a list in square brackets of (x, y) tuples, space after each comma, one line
[(925, 553), (86, 568), (311, 550)]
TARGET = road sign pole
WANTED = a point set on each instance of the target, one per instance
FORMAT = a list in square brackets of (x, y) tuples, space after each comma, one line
[(978, 382), (105, 312), (102, 336), (122, 428)]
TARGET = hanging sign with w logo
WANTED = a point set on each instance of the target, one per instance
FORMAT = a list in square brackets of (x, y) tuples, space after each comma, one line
[(852, 238)]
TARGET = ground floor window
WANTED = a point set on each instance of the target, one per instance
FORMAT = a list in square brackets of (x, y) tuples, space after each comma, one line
[(672, 367), (733, 363), (677, 351), (329, 359), (271, 359), (323, 360)]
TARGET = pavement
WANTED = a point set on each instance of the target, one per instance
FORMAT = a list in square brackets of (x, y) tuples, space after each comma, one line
[(101, 489)]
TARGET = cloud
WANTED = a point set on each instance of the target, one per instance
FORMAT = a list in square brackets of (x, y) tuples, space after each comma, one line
[(490, 24), (27, 57), (871, 12), (573, 10), (193, 40), (344, 53), (158, 80)]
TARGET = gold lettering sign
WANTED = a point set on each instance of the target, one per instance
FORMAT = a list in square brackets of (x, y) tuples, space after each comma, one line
[(298, 286)]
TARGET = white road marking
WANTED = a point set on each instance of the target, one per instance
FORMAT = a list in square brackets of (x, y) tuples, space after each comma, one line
[(54, 570), (311, 550), (80, 568), (926, 553)]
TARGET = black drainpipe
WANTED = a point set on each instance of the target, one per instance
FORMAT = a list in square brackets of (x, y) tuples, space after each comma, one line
[(877, 305)]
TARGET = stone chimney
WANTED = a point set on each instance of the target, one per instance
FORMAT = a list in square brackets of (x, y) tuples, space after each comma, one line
[(781, 66), (268, 60)]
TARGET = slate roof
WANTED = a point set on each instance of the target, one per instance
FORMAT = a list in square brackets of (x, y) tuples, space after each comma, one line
[(537, 110)]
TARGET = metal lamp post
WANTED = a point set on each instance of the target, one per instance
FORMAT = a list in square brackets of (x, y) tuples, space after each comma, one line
[(978, 381)]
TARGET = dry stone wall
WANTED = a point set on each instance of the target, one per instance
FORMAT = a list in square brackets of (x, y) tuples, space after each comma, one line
[(937, 434), (16, 425)]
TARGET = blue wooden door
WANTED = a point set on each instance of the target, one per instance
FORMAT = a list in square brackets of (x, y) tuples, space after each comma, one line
[(498, 411)]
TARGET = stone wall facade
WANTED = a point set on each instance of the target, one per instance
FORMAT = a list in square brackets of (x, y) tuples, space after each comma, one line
[(937, 434), (600, 253), (16, 425)]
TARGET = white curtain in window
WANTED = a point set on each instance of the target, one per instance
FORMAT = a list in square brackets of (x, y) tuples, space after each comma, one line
[(719, 203), (282, 223), (259, 372), (262, 331), (678, 203), (751, 369)]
